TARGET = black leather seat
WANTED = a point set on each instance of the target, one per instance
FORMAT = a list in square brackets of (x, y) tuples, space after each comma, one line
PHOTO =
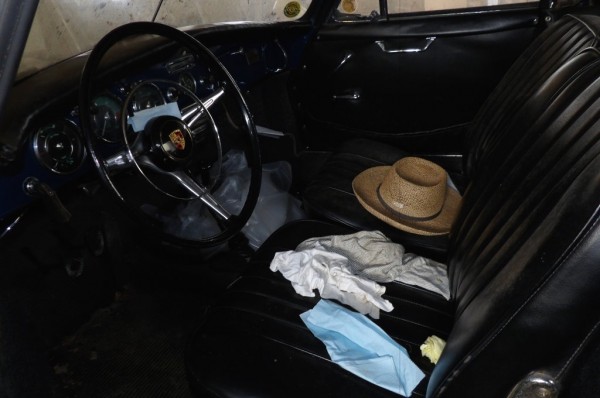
[(523, 264), (253, 343), (330, 196)]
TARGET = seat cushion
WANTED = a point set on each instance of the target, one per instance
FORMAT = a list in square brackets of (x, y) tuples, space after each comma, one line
[(252, 342)]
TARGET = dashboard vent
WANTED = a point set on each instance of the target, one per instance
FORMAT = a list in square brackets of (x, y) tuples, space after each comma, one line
[(180, 64)]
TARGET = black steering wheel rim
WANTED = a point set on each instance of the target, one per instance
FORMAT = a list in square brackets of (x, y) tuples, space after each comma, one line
[(252, 151)]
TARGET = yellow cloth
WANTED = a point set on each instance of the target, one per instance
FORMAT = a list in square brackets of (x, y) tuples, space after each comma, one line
[(432, 348)]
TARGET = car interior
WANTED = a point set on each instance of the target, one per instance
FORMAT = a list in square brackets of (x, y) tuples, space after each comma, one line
[(146, 185)]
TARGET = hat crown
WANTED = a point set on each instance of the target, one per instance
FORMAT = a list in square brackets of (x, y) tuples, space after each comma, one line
[(414, 188)]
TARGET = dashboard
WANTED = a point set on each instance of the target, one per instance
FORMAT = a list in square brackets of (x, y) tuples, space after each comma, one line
[(43, 126)]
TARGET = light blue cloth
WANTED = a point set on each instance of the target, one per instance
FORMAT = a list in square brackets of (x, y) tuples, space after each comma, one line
[(139, 120), (358, 345)]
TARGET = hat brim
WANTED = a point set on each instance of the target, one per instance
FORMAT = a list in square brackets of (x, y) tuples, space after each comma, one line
[(365, 187)]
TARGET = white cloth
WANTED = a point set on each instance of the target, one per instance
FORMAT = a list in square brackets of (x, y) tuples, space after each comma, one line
[(372, 255), (328, 273)]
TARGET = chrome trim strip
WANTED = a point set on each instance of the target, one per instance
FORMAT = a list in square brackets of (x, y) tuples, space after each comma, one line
[(416, 49)]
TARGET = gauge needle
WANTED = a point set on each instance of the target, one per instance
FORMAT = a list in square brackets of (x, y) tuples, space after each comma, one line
[(104, 126)]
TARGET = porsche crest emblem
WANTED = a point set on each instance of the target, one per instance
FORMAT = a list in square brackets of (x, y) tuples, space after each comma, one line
[(177, 139)]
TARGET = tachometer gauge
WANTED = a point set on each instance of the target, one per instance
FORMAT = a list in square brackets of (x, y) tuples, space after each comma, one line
[(106, 118), (58, 147), (146, 96), (187, 80)]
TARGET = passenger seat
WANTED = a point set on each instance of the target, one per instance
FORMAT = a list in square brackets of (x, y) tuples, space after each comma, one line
[(329, 196)]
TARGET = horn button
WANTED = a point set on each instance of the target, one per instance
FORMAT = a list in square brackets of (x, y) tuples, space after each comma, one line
[(171, 140)]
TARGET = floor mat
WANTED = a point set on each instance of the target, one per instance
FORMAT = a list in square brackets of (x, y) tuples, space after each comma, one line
[(134, 348)]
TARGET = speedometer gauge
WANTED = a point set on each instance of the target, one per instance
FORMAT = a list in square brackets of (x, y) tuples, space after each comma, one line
[(147, 96), (58, 147), (106, 118)]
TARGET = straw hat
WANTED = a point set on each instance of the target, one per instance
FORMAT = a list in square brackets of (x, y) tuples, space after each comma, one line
[(411, 195)]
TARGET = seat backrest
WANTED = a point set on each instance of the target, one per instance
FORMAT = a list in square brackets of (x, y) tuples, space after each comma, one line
[(549, 51), (525, 251)]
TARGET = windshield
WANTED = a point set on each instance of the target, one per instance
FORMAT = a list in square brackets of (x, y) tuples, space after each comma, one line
[(64, 28)]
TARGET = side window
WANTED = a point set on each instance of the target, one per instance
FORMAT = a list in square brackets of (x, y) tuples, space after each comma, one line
[(365, 9)]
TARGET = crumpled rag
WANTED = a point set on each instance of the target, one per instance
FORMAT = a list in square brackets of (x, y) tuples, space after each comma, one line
[(432, 348), (363, 348), (327, 272), (372, 255)]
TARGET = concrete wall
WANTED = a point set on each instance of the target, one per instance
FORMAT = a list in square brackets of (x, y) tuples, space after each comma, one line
[(63, 28)]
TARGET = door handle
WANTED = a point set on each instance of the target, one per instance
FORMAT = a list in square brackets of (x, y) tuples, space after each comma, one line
[(417, 47)]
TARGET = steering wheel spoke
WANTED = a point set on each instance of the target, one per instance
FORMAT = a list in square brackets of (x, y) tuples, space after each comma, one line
[(119, 161), (124, 159), (201, 192), (192, 114), (192, 186)]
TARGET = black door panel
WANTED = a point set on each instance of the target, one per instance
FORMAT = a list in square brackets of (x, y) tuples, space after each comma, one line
[(409, 81)]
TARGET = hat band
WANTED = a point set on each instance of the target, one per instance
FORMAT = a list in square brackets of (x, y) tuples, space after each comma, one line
[(401, 215)]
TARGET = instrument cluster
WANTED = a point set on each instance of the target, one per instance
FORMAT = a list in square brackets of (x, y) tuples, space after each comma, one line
[(58, 144)]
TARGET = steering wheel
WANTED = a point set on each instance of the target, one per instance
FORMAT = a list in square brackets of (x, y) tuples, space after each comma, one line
[(173, 148)]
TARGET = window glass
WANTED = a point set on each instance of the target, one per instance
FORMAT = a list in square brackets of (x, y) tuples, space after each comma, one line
[(369, 8), (63, 28), (402, 6)]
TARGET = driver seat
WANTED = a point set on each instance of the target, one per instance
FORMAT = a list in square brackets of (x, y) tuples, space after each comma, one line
[(523, 258)]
